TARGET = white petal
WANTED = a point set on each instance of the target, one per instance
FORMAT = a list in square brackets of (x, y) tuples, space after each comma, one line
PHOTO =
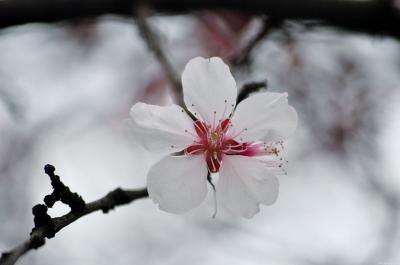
[(162, 129), (245, 182), (178, 183), (208, 87), (265, 117)]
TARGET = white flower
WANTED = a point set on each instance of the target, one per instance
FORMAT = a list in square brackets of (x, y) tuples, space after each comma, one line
[(241, 144)]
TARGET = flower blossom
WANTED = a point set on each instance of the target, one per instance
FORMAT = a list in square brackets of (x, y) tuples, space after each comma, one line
[(239, 143)]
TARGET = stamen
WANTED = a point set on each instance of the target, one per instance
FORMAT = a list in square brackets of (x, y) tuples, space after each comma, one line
[(191, 134), (275, 151), (239, 133), (214, 116), (224, 112), (182, 147)]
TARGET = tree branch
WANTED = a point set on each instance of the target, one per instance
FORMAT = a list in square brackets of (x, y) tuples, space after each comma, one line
[(153, 42), (37, 238), (250, 88), (243, 56), (373, 16)]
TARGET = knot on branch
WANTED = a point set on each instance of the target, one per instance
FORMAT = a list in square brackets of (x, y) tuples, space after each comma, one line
[(116, 197), (44, 224), (42, 221), (47, 227), (62, 193)]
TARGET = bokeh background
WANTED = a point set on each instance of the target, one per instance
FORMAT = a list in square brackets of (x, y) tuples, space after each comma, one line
[(65, 94)]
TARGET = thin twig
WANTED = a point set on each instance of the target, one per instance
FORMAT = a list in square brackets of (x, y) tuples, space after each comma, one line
[(153, 42), (113, 199), (243, 56)]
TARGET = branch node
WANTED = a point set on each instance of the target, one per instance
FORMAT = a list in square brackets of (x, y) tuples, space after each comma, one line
[(49, 169), (47, 227), (62, 193), (42, 221)]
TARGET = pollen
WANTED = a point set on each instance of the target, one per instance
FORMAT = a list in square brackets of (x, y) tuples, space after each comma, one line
[(275, 151), (214, 136)]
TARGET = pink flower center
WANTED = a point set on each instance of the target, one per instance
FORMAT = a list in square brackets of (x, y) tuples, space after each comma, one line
[(214, 143)]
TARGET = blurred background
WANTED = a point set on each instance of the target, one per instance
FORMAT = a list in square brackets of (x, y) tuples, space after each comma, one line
[(65, 94)]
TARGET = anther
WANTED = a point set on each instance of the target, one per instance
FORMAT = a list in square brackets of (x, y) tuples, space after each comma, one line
[(275, 151)]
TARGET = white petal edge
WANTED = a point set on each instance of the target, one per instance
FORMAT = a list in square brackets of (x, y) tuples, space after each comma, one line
[(209, 89), (178, 183), (162, 129), (243, 183), (264, 117)]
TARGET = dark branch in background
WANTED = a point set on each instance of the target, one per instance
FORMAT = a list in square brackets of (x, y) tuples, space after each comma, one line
[(153, 42), (250, 88), (243, 57), (374, 16), (47, 227)]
